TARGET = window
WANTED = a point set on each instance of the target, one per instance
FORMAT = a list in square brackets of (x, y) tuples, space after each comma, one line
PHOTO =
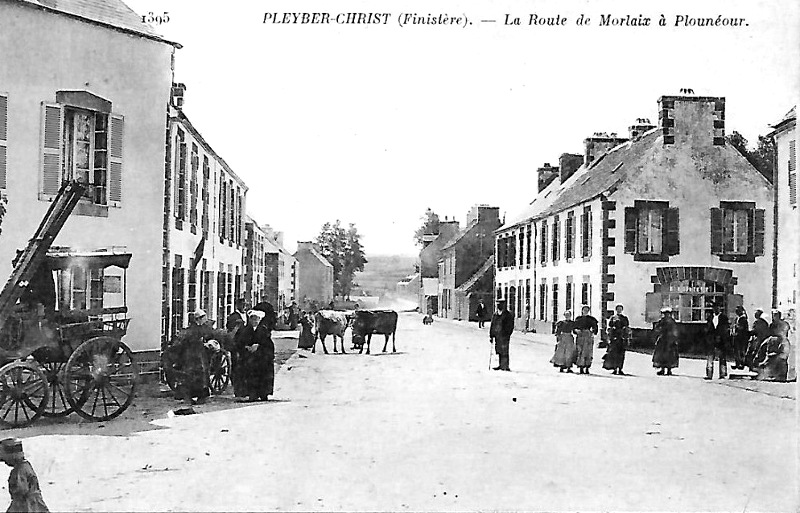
[(520, 295), (586, 295), (543, 301), (223, 205), (528, 245), (205, 195), (586, 232), (792, 172), (177, 299), (3, 140), (512, 250), (543, 244), (528, 297), (80, 289), (568, 303), (191, 303), (693, 300), (207, 281), (555, 301), (193, 188), (82, 141), (652, 231), (500, 258), (569, 243), (521, 245), (737, 231), (555, 246)]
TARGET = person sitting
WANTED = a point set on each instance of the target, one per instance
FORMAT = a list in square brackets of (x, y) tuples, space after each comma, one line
[(772, 359)]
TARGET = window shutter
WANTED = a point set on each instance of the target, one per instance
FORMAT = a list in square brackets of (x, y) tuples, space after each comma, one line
[(792, 173), (630, 229), (716, 231), (672, 244), (652, 309), (759, 227), (116, 126), (52, 144), (3, 140)]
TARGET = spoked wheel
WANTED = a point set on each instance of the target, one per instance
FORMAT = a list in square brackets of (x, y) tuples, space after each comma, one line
[(220, 371), (23, 393), (57, 405), (100, 378)]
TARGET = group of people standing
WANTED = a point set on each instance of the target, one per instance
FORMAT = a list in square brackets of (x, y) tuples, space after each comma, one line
[(764, 349), (252, 351)]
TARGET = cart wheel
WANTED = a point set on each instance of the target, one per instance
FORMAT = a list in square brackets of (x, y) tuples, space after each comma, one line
[(220, 372), (171, 377), (23, 393), (57, 405), (101, 378)]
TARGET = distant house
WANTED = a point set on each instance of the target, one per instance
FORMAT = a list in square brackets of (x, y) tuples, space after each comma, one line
[(464, 256), (408, 286), (314, 275), (670, 216), (788, 223), (429, 256)]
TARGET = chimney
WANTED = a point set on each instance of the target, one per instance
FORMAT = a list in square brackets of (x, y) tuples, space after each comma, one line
[(178, 93), (448, 229), (546, 174), (600, 143), (483, 214), (641, 126), (691, 118), (305, 246), (569, 163)]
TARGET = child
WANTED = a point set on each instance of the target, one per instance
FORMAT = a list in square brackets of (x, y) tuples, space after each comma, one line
[(23, 485)]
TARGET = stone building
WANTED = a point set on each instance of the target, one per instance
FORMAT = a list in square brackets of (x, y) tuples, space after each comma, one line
[(788, 224), (429, 256), (83, 93), (464, 265), (204, 226), (314, 276), (671, 216), (257, 267)]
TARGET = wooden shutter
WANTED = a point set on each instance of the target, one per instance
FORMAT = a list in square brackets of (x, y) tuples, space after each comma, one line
[(652, 306), (52, 149), (116, 127), (3, 140), (792, 173), (759, 227), (672, 241), (630, 229), (716, 231)]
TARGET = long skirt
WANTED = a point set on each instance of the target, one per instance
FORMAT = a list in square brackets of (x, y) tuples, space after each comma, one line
[(615, 354), (237, 374), (585, 343), (565, 355), (665, 354), (259, 375)]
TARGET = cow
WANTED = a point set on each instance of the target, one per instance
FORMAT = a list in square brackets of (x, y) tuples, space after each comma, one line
[(329, 322), (367, 322)]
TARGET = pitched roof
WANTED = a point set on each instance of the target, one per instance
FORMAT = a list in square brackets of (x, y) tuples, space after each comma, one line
[(460, 235), (588, 182), (785, 120), (111, 13), (480, 273), (316, 254)]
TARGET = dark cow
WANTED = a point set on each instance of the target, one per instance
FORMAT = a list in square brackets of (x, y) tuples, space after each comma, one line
[(333, 323), (367, 322)]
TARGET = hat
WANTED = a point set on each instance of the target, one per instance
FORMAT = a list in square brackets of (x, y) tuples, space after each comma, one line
[(255, 313), (10, 446), (666, 309), (759, 310), (199, 313)]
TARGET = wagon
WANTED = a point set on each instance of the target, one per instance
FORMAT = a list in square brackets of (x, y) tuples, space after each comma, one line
[(219, 368), (62, 352)]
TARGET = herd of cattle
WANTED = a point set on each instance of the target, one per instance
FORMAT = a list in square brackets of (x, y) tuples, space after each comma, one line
[(363, 324)]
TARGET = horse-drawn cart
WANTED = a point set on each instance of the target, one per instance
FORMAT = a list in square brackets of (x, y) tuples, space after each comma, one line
[(62, 352)]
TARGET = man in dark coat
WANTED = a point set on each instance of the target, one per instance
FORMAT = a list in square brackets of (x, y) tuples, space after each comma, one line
[(741, 336), (258, 357), (759, 333), (717, 334), (192, 345), (293, 319), (500, 330), (618, 329), (481, 313)]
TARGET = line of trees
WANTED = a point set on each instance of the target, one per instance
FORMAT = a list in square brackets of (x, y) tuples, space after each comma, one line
[(342, 248)]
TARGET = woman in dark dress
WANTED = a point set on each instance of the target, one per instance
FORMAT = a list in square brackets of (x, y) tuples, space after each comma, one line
[(564, 357), (585, 328), (618, 328), (254, 342), (665, 355)]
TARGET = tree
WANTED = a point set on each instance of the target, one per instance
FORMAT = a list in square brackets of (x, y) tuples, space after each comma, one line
[(342, 248), (762, 157), (430, 226)]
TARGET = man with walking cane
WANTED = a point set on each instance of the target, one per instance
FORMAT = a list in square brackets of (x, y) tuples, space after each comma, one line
[(500, 333)]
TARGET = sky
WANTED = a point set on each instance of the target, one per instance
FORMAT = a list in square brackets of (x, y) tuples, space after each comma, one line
[(372, 124)]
